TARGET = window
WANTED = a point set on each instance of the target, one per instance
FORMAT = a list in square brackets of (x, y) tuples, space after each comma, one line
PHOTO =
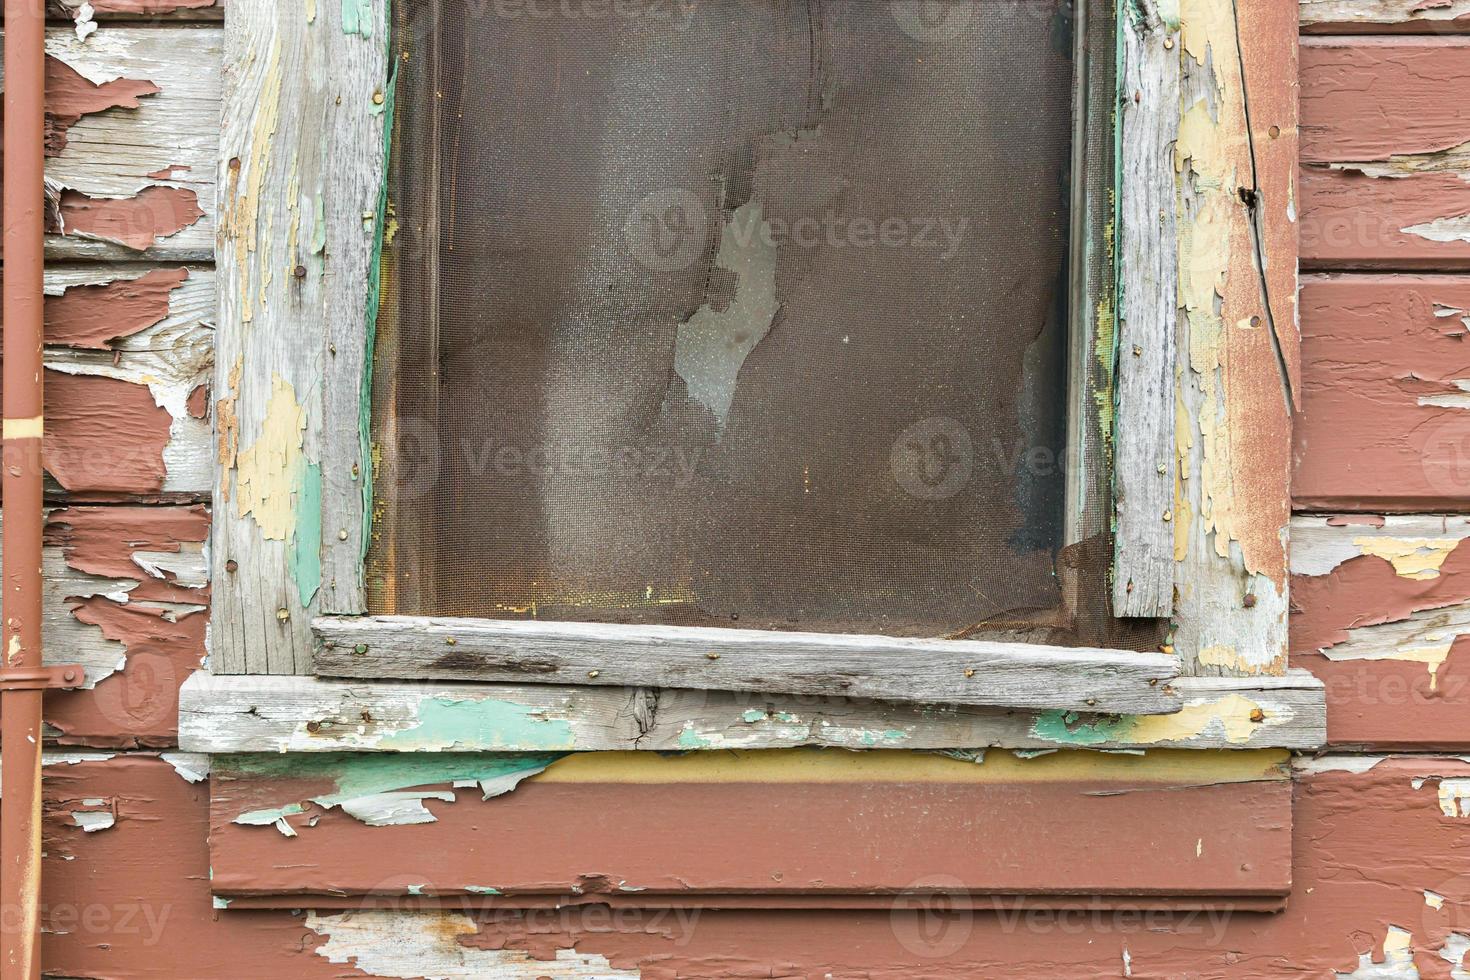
[(846, 330), (738, 510), (748, 314)]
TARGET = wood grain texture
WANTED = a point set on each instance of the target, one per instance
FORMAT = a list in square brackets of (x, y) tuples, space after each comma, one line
[(300, 714), (1386, 424), (1385, 158), (124, 591), (128, 339), (302, 167), (139, 182), (1385, 16), (152, 11), (1148, 306), (1010, 675), (1238, 362), (827, 826)]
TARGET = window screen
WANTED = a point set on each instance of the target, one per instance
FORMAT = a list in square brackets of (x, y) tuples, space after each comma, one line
[(730, 312)]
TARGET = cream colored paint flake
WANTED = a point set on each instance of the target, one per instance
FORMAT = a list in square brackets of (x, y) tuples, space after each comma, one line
[(267, 470), (1415, 558), (1454, 797), (1232, 714), (1222, 655)]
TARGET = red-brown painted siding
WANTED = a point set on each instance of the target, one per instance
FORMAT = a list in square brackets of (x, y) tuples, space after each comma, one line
[(1378, 843)]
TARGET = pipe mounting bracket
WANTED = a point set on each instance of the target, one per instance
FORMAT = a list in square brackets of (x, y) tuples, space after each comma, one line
[(41, 678)]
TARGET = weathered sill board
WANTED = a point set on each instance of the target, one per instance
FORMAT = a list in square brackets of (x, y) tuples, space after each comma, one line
[(262, 713), (1007, 675)]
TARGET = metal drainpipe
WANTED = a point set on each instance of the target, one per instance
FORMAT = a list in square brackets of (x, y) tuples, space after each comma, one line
[(20, 545)]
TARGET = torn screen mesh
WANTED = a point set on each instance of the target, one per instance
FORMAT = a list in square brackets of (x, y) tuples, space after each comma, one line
[(739, 312)]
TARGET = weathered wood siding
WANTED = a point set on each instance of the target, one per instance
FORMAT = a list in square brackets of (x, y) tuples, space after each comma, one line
[(1380, 882)]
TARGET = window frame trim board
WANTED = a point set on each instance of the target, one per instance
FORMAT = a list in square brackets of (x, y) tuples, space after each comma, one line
[(303, 172)]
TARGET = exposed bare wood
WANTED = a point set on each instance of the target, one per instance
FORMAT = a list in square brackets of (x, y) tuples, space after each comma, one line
[(302, 167), (971, 672), (78, 640), (1238, 368), (1416, 544), (172, 359), (150, 11), (143, 175), (1426, 16), (299, 714), (1148, 305)]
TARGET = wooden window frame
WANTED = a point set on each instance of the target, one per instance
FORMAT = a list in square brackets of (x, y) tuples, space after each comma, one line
[(1200, 505)]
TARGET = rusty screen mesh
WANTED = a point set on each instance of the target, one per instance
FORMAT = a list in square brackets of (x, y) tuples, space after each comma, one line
[(744, 312)]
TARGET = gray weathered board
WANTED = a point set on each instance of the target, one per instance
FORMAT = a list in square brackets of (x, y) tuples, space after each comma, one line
[(1008, 675), (301, 171), (300, 714), (1148, 290)]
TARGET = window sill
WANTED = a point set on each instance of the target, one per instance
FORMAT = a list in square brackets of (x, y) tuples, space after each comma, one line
[(977, 673), (261, 713)]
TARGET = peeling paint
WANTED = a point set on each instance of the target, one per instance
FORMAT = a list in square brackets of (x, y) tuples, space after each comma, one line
[(444, 723), (370, 787), (1235, 388), (268, 469), (91, 315), (357, 17), (304, 561), (1397, 963), (395, 808), (1231, 716), (398, 944), (1413, 558), (1459, 399), (1454, 797), (1443, 230), (91, 821), (138, 222), (193, 767)]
